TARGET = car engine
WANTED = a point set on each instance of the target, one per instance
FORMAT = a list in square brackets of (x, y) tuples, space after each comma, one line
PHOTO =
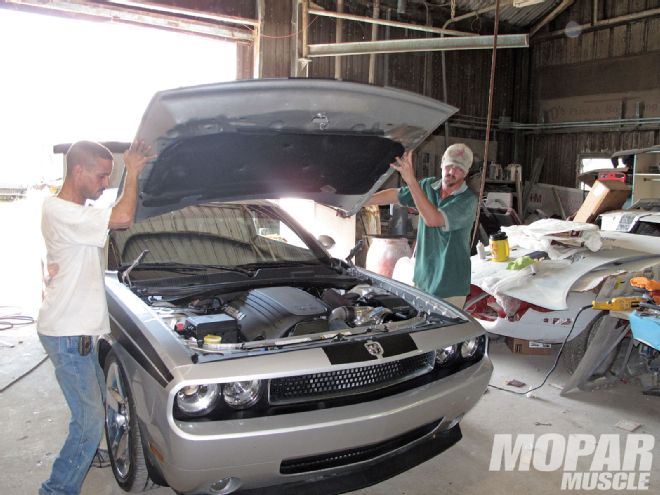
[(278, 312)]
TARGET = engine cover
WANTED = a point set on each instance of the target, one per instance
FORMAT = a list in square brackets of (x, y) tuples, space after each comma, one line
[(269, 313)]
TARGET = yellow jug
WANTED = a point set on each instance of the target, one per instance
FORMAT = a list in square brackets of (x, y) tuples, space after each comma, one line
[(499, 246)]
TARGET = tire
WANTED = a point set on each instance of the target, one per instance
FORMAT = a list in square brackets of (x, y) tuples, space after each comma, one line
[(122, 431), (575, 349)]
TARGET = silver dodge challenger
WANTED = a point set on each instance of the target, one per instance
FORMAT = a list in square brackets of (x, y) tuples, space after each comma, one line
[(243, 357)]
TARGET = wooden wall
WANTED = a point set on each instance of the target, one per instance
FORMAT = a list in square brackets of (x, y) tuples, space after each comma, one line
[(604, 73)]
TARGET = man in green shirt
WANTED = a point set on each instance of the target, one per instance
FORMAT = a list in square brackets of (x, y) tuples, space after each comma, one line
[(447, 209)]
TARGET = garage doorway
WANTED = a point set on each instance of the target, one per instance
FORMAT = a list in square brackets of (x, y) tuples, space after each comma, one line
[(67, 79)]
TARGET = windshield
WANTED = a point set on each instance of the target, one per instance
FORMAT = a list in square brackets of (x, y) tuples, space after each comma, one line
[(229, 234)]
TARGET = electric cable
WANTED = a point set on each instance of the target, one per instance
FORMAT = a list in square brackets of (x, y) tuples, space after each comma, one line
[(554, 366), (10, 321)]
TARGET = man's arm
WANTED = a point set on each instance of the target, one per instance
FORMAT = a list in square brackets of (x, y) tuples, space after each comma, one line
[(427, 210), (384, 197), (123, 212)]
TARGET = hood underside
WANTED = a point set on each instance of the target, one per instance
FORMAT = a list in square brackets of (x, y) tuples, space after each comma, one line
[(328, 141)]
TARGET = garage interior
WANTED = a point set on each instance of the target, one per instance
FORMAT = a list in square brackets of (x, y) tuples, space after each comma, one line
[(544, 85)]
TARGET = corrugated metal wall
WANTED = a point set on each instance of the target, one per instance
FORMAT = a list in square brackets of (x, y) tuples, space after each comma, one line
[(609, 70), (469, 70)]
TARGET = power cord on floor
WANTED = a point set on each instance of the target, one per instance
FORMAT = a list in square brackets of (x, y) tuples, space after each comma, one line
[(554, 366), (10, 321)]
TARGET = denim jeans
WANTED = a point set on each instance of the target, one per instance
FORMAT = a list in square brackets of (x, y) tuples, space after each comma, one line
[(82, 382)]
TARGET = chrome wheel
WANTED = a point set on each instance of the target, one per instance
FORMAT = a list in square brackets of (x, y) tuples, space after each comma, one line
[(117, 419), (122, 431)]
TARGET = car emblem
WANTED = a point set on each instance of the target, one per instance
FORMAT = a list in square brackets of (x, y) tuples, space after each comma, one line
[(375, 349)]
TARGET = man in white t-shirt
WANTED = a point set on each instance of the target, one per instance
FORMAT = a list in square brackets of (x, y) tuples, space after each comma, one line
[(74, 310)]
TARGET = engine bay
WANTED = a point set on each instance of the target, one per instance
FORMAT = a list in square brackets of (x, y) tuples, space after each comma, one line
[(227, 321)]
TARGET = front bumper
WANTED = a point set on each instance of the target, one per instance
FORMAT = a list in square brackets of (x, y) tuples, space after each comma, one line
[(252, 451)]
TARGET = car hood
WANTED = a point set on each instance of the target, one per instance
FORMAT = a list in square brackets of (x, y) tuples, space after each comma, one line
[(324, 140)]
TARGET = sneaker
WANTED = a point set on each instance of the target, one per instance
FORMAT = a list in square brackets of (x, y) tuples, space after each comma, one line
[(101, 459)]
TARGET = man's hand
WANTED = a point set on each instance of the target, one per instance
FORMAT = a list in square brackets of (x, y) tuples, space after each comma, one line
[(404, 166), (136, 157)]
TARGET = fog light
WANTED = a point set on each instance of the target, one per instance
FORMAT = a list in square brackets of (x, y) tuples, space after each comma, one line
[(446, 355), (196, 400), (241, 395), (225, 486)]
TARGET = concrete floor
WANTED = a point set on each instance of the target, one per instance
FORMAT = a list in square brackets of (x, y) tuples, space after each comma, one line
[(35, 420), (35, 416)]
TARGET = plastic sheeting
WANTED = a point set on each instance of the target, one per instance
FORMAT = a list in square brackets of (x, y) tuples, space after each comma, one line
[(546, 283), (559, 238)]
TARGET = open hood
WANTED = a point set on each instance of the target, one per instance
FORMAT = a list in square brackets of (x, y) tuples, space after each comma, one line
[(324, 140)]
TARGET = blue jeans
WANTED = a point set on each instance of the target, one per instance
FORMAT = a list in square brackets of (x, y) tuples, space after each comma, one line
[(83, 384)]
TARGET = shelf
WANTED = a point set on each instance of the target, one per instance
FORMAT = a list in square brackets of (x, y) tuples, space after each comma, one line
[(513, 187), (646, 176)]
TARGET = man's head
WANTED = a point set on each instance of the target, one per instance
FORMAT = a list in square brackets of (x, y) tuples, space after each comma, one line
[(88, 169), (456, 163)]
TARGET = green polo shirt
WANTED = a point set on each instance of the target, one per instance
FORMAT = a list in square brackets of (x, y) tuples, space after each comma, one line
[(442, 259)]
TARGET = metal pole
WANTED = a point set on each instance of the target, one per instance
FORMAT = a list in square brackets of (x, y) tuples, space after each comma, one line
[(488, 118), (594, 13), (558, 10), (417, 45), (475, 13), (172, 10), (374, 37), (386, 57), (339, 27), (384, 22), (603, 23), (427, 58), (258, 55), (295, 46), (305, 34)]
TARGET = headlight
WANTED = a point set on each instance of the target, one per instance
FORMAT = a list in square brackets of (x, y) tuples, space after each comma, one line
[(196, 400), (469, 348), (468, 351), (446, 355), (241, 395)]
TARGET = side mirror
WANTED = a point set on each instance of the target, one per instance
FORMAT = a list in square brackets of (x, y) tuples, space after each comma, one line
[(326, 241)]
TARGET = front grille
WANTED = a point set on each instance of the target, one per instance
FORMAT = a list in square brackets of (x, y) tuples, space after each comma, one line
[(352, 381), (358, 454)]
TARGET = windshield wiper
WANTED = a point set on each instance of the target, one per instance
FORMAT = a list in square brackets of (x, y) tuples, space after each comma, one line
[(125, 275), (174, 266), (278, 264)]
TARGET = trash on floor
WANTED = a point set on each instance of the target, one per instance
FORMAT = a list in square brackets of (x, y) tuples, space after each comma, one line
[(627, 425)]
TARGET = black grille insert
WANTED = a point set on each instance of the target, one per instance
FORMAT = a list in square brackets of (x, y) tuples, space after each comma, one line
[(359, 454), (352, 381)]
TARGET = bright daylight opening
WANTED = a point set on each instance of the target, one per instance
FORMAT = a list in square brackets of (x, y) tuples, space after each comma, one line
[(593, 163), (64, 80)]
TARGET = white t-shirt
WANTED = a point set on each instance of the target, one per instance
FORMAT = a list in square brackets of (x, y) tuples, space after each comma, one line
[(74, 300)]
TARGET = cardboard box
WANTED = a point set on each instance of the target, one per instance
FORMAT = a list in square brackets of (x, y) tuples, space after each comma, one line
[(604, 196), (521, 346), (499, 199)]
